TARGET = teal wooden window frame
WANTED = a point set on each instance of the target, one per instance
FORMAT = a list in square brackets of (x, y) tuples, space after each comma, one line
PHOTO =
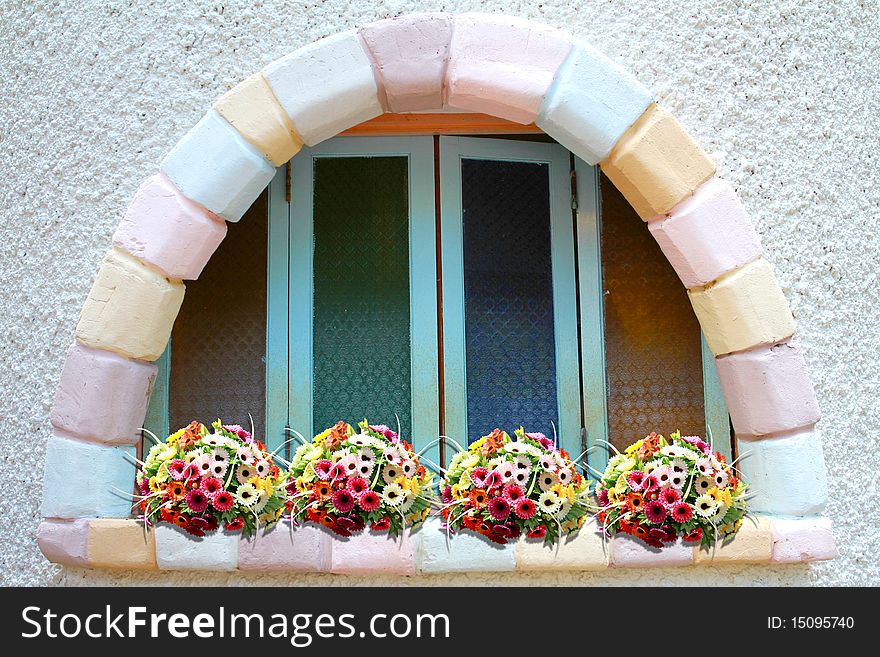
[(577, 289), (452, 151), (299, 303)]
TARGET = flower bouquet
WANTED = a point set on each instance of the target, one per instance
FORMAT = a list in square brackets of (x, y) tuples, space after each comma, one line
[(200, 479), (502, 488), (346, 479), (664, 488)]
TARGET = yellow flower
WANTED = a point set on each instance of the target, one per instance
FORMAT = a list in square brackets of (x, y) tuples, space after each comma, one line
[(612, 496), (621, 486), (716, 495), (308, 474), (475, 446), (565, 492), (154, 485), (632, 449), (465, 480), (174, 437), (627, 464), (162, 474), (302, 485), (727, 498), (470, 461), (457, 492)]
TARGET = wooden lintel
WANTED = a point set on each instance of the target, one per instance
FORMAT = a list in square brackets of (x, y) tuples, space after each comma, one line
[(440, 124)]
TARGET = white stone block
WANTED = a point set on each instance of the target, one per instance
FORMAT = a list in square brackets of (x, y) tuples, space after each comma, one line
[(464, 552), (786, 474), (591, 104), (217, 168), (326, 87), (86, 480), (177, 550), (802, 539)]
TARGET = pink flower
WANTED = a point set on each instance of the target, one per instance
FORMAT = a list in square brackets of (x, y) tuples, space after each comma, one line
[(196, 500), (381, 525), (447, 494), (525, 509), (357, 486), (499, 509), (176, 468), (322, 469), (478, 476), (513, 493), (603, 497), (493, 479), (369, 501), (223, 501), (655, 512), (211, 486), (343, 500), (662, 475), (338, 471), (649, 482), (636, 480), (385, 431), (669, 497), (682, 512)]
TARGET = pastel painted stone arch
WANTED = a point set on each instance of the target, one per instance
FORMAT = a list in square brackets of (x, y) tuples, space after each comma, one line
[(507, 67)]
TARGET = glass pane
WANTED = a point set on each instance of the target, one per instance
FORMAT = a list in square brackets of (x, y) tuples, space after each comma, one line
[(361, 279), (510, 347), (218, 346), (652, 338)]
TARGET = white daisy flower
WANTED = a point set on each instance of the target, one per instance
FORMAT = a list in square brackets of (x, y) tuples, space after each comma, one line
[(549, 502), (365, 469), (560, 462), (720, 512), (219, 468), (191, 455), (204, 463), (393, 494), (213, 439), (705, 506), (366, 454), (547, 462), (338, 455), (615, 462), (244, 455), (523, 462), (520, 477), (721, 479), (702, 485), (409, 498), (506, 471), (359, 439), (261, 467), (651, 466), (564, 475), (391, 472), (704, 467), (677, 480), (408, 468), (247, 494), (350, 463), (494, 463), (662, 474), (531, 450), (514, 447), (244, 472), (679, 465), (262, 501), (547, 480), (564, 508)]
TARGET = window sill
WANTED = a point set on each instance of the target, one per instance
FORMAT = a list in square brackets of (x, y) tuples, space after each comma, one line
[(123, 543)]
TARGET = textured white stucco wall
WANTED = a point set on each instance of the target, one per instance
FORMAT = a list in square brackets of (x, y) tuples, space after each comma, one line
[(783, 94)]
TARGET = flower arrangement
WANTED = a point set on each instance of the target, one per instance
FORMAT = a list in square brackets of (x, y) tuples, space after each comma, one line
[(200, 479), (503, 488), (347, 479), (660, 489)]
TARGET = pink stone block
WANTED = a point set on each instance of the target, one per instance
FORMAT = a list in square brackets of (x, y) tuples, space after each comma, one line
[(306, 549), (64, 542), (409, 56), (167, 230), (707, 235), (628, 552), (503, 66), (802, 539), (768, 390), (372, 553), (102, 396)]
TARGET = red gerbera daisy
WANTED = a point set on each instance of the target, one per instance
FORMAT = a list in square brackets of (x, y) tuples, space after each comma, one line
[(636, 479), (381, 525), (357, 486), (694, 536), (499, 509), (669, 497), (538, 532), (223, 501), (343, 500), (369, 500), (176, 468), (655, 512), (649, 483), (682, 512), (513, 493), (525, 509), (322, 469), (196, 500), (211, 486)]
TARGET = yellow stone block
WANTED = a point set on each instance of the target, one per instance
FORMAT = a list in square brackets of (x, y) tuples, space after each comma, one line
[(120, 543), (253, 110), (582, 551), (743, 309), (753, 543), (656, 164), (130, 308)]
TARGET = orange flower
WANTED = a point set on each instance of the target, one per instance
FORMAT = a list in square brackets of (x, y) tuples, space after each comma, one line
[(176, 490), (337, 434), (479, 498), (316, 515), (322, 490), (470, 521), (635, 502), (640, 531), (627, 526), (420, 471), (168, 515), (649, 446), (494, 442)]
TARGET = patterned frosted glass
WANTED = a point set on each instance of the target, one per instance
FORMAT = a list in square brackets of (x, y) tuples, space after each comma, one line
[(361, 312), (652, 338), (218, 345), (510, 348)]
